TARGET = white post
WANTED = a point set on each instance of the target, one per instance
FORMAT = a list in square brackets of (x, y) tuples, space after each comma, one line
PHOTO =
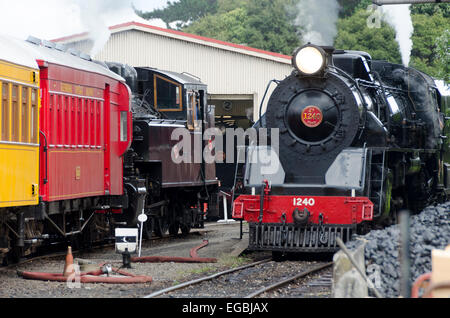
[(141, 218), (225, 210)]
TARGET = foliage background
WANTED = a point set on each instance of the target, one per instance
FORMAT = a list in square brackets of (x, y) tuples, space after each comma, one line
[(271, 25)]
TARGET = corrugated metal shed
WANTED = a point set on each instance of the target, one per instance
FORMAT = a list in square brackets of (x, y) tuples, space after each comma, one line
[(231, 71)]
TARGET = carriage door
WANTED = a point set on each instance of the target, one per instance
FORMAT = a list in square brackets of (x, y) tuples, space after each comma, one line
[(107, 138)]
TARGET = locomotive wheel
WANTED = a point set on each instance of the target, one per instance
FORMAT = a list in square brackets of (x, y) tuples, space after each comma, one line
[(160, 227), (148, 228), (185, 229), (186, 225), (174, 228), (161, 223)]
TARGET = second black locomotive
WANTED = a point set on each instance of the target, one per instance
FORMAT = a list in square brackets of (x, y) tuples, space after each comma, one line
[(359, 139), (176, 194)]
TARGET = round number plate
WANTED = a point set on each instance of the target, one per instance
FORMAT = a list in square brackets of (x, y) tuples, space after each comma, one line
[(312, 116)]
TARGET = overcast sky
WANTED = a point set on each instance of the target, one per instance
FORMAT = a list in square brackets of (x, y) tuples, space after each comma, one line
[(50, 19)]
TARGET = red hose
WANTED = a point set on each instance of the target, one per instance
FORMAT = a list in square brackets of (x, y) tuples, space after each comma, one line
[(418, 284), (168, 259), (95, 276), (89, 277)]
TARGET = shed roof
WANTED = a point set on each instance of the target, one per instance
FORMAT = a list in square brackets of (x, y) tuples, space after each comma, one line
[(54, 56), (242, 49)]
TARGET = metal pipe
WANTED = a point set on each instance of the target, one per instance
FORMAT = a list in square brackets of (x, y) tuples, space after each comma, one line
[(405, 262), (389, 2), (359, 270), (21, 228)]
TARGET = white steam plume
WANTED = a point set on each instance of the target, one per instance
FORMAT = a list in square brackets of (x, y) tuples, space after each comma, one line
[(399, 17), (92, 15), (318, 20)]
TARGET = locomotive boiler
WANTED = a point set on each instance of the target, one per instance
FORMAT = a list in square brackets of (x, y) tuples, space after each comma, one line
[(359, 140)]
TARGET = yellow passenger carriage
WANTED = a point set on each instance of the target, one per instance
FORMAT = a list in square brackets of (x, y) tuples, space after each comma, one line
[(19, 136)]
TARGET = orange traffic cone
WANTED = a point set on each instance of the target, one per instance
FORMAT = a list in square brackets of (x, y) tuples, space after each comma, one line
[(68, 266)]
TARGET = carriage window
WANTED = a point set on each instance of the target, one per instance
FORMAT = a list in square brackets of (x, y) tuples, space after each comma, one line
[(73, 122), (190, 110), (15, 114), (5, 112), (66, 121), (123, 126), (51, 106), (197, 113), (34, 117), (99, 130), (86, 121), (167, 95), (92, 122), (80, 121), (25, 115), (193, 110), (59, 136)]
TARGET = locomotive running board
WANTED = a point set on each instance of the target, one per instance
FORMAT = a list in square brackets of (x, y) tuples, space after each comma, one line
[(294, 238)]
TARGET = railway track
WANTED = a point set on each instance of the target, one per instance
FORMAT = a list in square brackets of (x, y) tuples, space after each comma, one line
[(204, 279), (291, 279), (62, 253), (271, 287)]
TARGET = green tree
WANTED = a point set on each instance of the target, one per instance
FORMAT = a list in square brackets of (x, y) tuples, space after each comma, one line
[(443, 55), (425, 53), (228, 26), (185, 11), (263, 24), (431, 9), (348, 7), (354, 34)]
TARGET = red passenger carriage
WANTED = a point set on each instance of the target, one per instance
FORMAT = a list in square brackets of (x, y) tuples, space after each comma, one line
[(86, 127)]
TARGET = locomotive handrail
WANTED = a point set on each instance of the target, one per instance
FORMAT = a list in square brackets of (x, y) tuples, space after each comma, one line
[(374, 85), (386, 103), (264, 97)]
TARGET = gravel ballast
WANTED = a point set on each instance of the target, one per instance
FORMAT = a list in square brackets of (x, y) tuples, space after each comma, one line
[(428, 230)]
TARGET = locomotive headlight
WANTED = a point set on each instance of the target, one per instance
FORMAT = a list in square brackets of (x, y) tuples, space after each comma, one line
[(309, 59)]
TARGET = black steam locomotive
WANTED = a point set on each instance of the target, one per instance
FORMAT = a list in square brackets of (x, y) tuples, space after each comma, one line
[(175, 195), (358, 141)]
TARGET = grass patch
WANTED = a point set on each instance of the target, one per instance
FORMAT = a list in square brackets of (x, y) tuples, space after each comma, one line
[(202, 270), (224, 261), (233, 261)]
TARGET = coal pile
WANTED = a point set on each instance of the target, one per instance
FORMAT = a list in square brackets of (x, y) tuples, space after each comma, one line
[(429, 230)]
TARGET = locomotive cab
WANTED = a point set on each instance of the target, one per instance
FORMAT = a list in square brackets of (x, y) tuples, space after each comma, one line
[(358, 140), (178, 96)]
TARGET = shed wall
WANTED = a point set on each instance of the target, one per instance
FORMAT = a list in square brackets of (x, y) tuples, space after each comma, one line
[(224, 71)]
